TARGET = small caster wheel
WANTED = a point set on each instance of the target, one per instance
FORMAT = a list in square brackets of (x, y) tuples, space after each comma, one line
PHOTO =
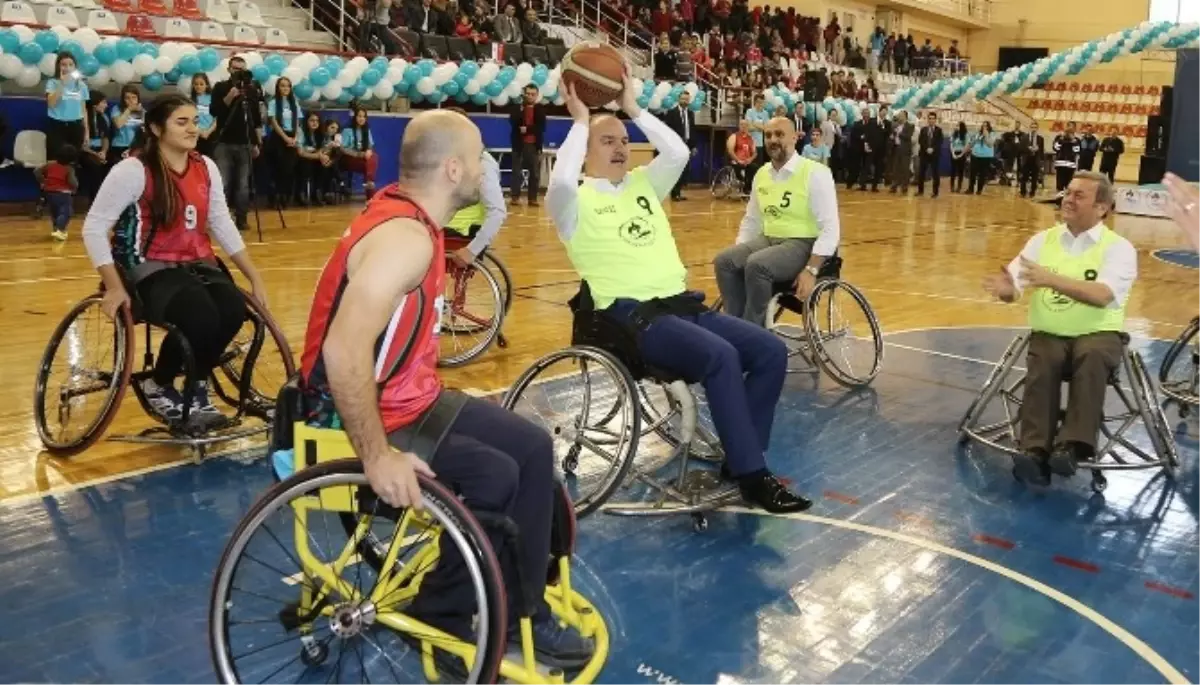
[(1184, 411), (963, 439), (1099, 482), (699, 523), (314, 654), (502, 341), (571, 461)]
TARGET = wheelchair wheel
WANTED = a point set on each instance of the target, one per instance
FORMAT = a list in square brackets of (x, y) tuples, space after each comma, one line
[(290, 591), (502, 276), (270, 368), (87, 382), (843, 333), (660, 414), (1151, 411), (473, 312), (1179, 374), (589, 403), (725, 183)]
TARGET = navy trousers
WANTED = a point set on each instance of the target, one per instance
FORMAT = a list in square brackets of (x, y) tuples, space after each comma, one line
[(741, 366)]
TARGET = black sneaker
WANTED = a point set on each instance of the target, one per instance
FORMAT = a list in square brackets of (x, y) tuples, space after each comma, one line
[(554, 645), (165, 401), (1031, 467), (1065, 459), (768, 493), (204, 414)]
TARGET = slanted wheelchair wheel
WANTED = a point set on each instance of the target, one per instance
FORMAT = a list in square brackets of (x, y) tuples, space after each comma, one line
[(271, 367), (472, 314), (590, 405), (1179, 374), (291, 600), (725, 183), (1152, 415), (843, 333), (82, 377), (502, 276), (661, 415)]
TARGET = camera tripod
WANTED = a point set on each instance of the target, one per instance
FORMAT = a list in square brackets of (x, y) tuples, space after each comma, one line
[(243, 103)]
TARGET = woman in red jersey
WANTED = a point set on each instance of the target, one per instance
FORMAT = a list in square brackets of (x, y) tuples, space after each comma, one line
[(161, 206)]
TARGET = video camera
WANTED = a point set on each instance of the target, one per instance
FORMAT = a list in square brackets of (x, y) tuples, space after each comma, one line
[(244, 81)]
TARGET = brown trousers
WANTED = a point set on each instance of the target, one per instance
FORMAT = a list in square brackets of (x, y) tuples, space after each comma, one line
[(1089, 361)]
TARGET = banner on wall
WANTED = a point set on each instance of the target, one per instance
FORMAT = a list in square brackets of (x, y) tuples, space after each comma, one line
[(1141, 200)]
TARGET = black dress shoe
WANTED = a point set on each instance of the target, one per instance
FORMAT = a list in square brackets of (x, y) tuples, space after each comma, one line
[(1031, 467), (770, 494), (1066, 457)]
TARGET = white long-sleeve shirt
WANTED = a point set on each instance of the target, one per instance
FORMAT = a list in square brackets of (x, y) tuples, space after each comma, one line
[(562, 193), (124, 186), (822, 200), (491, 196)]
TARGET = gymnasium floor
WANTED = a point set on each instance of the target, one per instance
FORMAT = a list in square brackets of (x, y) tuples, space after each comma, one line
[(920, 562)]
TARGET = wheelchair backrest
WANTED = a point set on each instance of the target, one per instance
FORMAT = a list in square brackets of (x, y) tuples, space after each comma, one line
[(594, 328)]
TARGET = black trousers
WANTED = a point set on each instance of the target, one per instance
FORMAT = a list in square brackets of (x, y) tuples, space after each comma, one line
[(1062, 177), (528, 158), (501, 463), (930, 163), (958, 170), (872, 169), (1029, 176), (203, 304), (980, 168)]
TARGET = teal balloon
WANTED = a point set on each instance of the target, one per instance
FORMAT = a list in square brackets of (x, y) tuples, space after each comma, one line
[(9, 40), (152, 50), (461, 78), (370, 77), (539, 78), (506, 75), (437, 97), (260, 73), (46, 40), (643, 101), (188, 64), (209, 59), (345, 97), (31, 53), (462, 98), (319, 77), (451, 87), (105, 54), (426, 66), (89, 65), (334, 66), (304, 90), (173, 76), (696, 105), (480, 98), (74, 48), (275, 64), (648, 86), (412, 74), (470, 69), (127, 49), (359, 89), (494, 88), (152, 82)]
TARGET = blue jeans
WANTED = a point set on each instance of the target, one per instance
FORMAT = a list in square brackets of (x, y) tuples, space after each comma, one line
[(59, 205), (741, 366)]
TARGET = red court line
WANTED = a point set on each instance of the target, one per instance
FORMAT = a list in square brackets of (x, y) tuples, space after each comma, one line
[(1076, 564), (994, 541), (1168, 590), (840, 497)]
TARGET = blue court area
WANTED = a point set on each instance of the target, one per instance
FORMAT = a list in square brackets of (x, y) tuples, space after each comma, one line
[(1185, 258), (921, 561)]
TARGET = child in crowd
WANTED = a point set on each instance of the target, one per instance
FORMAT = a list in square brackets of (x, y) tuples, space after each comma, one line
[(59, 185)]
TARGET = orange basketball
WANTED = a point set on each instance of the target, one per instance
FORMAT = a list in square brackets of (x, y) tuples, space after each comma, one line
[(596, 70)]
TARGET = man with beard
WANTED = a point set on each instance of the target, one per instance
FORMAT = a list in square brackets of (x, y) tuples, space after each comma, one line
[(790, 227), (619, 240), (370, 365)]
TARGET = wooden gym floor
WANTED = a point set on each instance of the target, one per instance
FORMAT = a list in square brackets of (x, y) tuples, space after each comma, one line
[(918, 260)]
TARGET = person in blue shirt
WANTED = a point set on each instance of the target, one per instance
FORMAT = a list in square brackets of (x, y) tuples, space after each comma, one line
[(202, 96), (127, 116), (758, 116), (284, 117), (358, 150), (816, 150), (66, 97), (983, 151)]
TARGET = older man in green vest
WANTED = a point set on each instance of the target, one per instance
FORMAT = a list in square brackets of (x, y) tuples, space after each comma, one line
[(1080, 273)]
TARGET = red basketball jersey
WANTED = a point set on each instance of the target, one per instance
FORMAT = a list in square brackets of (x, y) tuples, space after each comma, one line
[(406, 353), (184, 238)]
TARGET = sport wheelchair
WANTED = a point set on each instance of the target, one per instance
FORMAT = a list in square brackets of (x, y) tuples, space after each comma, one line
[(727, 184), (474, 316), (859, 358), (1179, 374), (246, 378), (1138, 402), (319, 564), (619, 402)]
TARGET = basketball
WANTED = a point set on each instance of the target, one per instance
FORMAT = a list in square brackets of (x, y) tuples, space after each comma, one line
[(596, 70)]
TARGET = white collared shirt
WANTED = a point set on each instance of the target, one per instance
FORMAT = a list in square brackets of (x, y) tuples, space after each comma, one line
[(1118, 271), (562, 193), (491, 196), (822, 200)]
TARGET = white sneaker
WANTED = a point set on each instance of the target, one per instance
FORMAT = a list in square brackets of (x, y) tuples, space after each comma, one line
[(166, 402), (58, 235)]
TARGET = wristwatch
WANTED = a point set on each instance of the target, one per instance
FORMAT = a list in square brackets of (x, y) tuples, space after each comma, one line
[(811, 269)]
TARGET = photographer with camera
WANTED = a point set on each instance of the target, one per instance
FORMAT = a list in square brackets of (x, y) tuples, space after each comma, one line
[(236, 107)]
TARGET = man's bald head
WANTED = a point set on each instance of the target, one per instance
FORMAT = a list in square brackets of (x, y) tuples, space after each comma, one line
[(440, 151), (780, 140), (608, 148)]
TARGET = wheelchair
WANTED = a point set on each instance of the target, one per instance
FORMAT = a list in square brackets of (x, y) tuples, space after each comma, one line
[(1138, 403), (477, 300), (338, 568), (99, 363), (726, 184), (619, 402), (1179, 374), (859, 358)]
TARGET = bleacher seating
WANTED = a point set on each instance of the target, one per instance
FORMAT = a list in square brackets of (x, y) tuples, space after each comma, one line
[(1109, 108), (178, 20)]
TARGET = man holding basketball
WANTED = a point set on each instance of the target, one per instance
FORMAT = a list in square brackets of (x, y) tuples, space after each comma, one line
[(619, 240)]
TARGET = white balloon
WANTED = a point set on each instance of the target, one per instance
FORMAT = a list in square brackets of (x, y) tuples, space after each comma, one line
[(691, 88), (314, 96), (560, 100), (185, 86), (397, 63), (425, 86), (395, 74), (656, 101), (487, 73), (252, 60), (29, 77), (514, 90), (269, 86), (331, 90), (500, 100), (472, 87), (822, 115), (384, 90), (100, 78), (169, 49), (163, 64), (358, 65), (662, 88), (524, 70), (26, 34), (143, 65), (440, 76), (46, 65), (121, 72), (189, 49), (87, 37), (61, 31), (294, 74), (347, 78)]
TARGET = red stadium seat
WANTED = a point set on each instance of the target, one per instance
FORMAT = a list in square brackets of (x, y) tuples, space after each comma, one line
[(1057, 126), (125, 6), (1086, 88), (1126, 90), (1114, 88), (1060, 86), (1154, 111), (1073, 87), (189, 9), (1140, 132), (1127, 130), (1126, 108), (1153, 90), (1139, 90), (154, 7), (140, 26)]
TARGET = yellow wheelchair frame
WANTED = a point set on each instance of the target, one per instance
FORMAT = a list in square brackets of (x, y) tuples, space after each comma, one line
[(400, 584)]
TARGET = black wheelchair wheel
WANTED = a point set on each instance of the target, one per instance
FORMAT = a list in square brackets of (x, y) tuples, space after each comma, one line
[(839, 312), (107, 382), (473, 314), (270, 368), (1152, 415), (589, 404), (1179, 373), (306, 595)]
